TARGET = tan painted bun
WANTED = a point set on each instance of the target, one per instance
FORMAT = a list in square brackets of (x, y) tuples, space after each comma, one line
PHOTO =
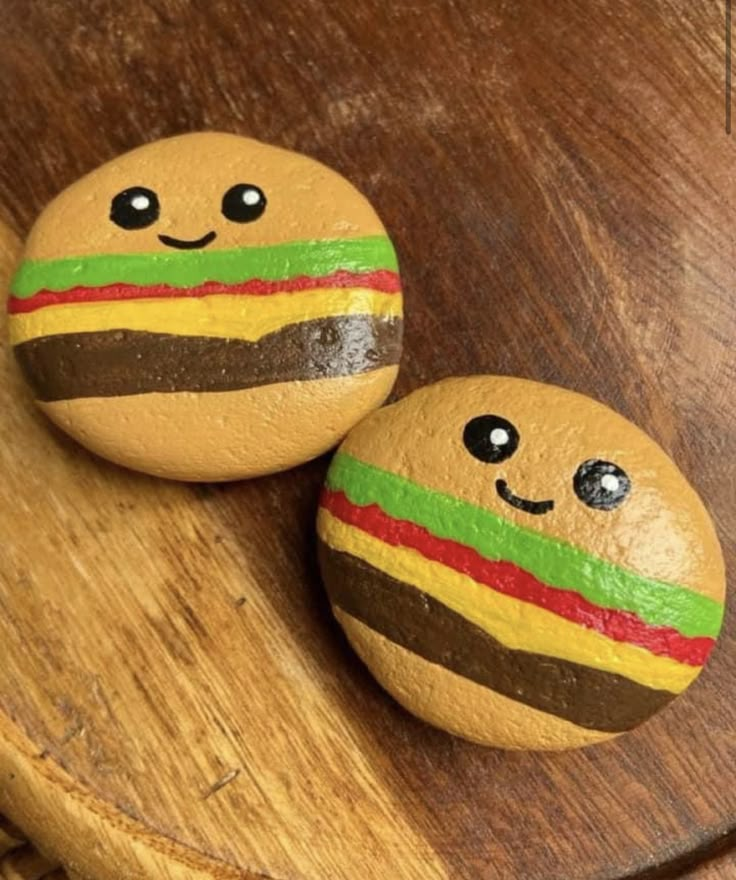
[(257, 431), (306, 199), (662, 531), (457, 704), (329, 348)]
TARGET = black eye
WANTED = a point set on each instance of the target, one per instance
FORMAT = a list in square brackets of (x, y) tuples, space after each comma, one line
[(490, 438), (243, 203), (134, 208), (601, 485)]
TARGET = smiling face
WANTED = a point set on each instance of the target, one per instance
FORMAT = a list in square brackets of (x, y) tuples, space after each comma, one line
[(201, 191), (552, 461), (599, 484), (208, 307), (519, 564)]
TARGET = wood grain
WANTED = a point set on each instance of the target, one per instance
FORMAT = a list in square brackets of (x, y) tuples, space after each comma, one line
[(175, 699), (713, 869)]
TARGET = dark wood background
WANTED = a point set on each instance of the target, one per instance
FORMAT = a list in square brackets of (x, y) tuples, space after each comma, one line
[(561, 191)]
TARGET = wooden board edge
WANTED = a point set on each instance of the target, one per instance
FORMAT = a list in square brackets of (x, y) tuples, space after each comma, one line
[(87, 835)]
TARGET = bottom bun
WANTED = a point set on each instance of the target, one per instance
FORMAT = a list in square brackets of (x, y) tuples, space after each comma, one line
[(226, 435), (459, 705)]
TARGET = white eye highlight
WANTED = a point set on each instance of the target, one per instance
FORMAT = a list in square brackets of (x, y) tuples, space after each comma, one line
[(499, 436), (140, 203), (251, 196), (610, 482)]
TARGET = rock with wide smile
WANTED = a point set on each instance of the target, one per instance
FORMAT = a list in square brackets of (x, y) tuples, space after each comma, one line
[(518, 564), (208, 307)]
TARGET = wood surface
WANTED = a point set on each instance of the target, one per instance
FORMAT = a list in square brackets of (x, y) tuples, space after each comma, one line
[(175, 699)]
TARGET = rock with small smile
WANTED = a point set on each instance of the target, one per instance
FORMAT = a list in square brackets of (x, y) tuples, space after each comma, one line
[(208, 307), (518, 564)]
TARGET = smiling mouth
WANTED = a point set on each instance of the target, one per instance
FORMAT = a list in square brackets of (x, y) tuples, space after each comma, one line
[(185, 244), (535, 507)]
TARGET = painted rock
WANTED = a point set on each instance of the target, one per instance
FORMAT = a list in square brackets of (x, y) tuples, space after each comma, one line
[(208, 307), (518, 564)]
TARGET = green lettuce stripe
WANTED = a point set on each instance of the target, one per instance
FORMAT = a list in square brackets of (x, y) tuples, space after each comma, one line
[(555, 562), (189, 268)]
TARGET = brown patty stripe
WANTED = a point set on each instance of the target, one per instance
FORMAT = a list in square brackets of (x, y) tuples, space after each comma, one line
[(115, 363), (587, 697)]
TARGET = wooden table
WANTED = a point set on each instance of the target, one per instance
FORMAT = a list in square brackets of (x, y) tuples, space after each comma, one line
[(175, 699)]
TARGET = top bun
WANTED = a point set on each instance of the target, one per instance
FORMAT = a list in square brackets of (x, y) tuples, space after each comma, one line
[(190, 174)]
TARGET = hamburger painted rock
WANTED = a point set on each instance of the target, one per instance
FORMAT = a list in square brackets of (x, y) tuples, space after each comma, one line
[(518, 564), (208, 307)]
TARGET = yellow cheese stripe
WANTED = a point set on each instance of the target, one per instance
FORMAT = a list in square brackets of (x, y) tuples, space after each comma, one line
[(220, 315), (514, 623)]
